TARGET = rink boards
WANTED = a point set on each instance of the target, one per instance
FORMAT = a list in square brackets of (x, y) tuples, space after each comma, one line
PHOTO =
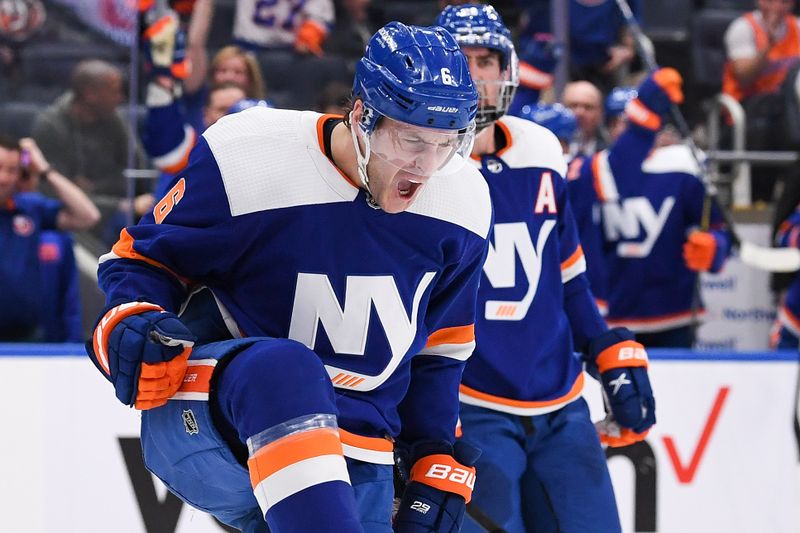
[(723, 457)]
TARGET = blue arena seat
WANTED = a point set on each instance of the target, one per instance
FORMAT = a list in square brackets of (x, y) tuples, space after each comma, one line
[(16, 118)]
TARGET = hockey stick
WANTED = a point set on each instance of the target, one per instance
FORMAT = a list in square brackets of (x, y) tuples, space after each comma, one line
[(483, 519), (760, 257)]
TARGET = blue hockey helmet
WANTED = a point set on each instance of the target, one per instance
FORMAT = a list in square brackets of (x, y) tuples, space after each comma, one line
[(247, 103), (555, 117), (617, 99), (415, 75), (417, 80), (480, 25)]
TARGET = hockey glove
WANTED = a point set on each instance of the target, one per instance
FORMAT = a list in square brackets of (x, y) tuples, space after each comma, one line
[(621, 363), (309, 37), (142, 350), (165, 47), (656, 95), (439, 488), (705, 251), (537, 60)]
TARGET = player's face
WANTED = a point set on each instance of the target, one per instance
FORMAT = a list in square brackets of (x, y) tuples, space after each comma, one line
[(233, 70), (219, 102), (484, 67), (403, 158), (9, 172)]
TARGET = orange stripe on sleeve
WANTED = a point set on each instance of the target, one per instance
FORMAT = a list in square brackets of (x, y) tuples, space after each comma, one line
[(454, 335), (574, 258), (124, 248), (368, 443), (292, 449), (598, 186)]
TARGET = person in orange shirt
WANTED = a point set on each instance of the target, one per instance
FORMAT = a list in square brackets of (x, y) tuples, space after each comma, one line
[(762, 48)]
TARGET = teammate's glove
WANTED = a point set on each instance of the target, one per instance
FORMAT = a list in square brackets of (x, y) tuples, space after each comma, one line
[(622, 366), (142, 350), (656, 94), (538, 59), (309, 37), (440, 486), (165, 47), (705, 251)]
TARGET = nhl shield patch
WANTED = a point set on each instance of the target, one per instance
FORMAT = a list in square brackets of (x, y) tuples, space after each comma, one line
[(190, 422)]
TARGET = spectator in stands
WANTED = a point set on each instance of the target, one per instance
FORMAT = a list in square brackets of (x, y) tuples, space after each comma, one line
[(82, 135), (586, 102), (334, 98), (23, 217), (302, 27), (60, 311), (601, 46), (230, 65), (86, 139), (352, 31), (762, 46)]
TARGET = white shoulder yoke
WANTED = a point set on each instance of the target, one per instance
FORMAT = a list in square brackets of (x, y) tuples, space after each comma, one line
[(270, 159), (531, 146), (461, 198)]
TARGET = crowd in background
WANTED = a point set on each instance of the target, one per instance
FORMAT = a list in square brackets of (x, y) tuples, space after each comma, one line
[(65, 79)]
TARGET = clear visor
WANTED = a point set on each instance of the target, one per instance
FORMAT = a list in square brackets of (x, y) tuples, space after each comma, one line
[(420, 151)]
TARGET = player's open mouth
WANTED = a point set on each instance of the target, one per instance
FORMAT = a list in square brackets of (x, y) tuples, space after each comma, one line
[(407, 188)]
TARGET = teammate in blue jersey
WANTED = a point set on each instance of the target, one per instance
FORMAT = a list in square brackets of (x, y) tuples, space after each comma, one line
[(787, 335), (542, 466), (342, 260), (556, 118), (651, 206), (24, 216)]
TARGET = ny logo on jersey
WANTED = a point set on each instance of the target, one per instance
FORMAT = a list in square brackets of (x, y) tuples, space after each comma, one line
[(628, 220), (512, 240), (347, 327)]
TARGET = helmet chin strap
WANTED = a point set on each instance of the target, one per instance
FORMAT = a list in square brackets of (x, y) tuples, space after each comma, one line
[(362, 161)]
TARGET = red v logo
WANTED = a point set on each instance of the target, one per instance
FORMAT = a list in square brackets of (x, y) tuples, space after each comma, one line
[(686, 473)]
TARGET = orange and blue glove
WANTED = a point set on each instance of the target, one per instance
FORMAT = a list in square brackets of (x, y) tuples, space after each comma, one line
[(706, 251), (165, 47), (620, 363), (309, 37), (143, 351), (439, 488), (656, 94)]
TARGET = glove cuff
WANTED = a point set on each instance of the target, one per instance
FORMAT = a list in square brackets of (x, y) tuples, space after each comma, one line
[(110, 319), (641, 115), (444, 473), (616, 348)]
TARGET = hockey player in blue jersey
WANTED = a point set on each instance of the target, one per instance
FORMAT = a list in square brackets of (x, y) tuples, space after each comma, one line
[(542, 466), (556, 118), (787, 335), (651, 207), (343, 258)]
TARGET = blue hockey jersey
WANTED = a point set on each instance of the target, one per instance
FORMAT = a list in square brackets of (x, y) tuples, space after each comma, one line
[(788, 235), (524, 362), (290, 248), (647, 211)]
